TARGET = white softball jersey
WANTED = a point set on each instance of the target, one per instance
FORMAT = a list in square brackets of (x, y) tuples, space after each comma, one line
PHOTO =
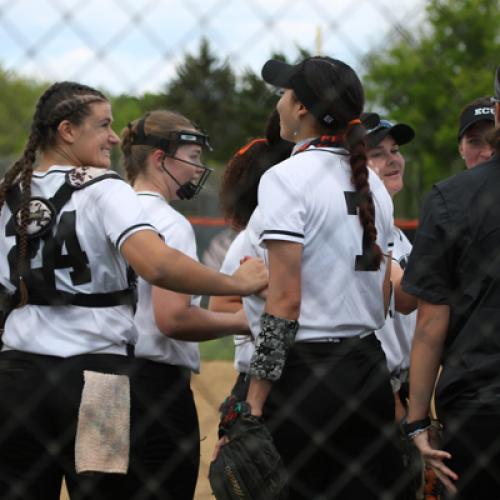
[(309, 199), (178, 234), (99, 217), (397, 333), (253, 305)]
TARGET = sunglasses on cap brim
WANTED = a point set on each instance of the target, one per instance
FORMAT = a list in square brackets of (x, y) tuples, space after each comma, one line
[(382, 125)]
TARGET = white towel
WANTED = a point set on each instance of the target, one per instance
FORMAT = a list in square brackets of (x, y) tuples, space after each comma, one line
[(103, 432)]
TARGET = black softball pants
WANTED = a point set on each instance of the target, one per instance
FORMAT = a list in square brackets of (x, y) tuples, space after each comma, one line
[(39, 402), (332, 419), (165, 441)]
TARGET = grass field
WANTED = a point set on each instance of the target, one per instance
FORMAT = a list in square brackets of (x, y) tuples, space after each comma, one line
[(217, 350)]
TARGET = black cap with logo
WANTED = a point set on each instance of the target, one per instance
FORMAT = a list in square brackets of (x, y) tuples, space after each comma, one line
[(473, 114)]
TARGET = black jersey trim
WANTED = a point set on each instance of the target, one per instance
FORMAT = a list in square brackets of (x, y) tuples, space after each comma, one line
[(285, 233), (124, 233)]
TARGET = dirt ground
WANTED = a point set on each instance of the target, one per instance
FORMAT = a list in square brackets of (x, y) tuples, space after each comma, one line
[(209, 388)]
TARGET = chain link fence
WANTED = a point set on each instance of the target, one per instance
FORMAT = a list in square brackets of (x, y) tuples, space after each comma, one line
[(421, 62)]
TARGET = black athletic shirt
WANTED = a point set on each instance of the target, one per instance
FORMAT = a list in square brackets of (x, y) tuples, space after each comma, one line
[(456, 261)]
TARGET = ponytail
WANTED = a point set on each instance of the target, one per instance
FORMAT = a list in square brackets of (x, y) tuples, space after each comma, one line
[(132, 164)]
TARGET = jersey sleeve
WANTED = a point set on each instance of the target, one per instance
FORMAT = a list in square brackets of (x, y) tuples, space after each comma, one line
[(428, 274), (119, 208), (282, 206)]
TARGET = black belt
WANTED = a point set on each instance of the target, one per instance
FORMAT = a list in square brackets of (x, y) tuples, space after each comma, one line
[(39, 297), (336, 340)]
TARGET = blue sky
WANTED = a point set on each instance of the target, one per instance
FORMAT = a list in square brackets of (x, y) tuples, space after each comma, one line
[(134, 46)]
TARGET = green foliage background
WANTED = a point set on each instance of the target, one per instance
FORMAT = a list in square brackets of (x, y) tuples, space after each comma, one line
[(423, 78), (426, 78)]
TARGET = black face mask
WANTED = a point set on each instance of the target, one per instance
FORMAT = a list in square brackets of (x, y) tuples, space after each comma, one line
[(189, 189)]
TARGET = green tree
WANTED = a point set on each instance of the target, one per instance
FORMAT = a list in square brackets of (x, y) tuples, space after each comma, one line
[(425, 79), (204, 90), (255, 101), (232, 108)]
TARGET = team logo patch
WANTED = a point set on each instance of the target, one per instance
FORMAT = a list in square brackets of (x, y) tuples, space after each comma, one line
[(81, 176), (41, 218)]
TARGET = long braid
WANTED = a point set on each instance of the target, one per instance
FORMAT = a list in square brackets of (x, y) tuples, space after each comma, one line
[(12, 175), (24, 167), (340, 92), (25, 182), (61, 100), (358, 160)]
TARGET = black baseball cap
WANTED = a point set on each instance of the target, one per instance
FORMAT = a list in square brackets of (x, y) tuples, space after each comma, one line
[(400, 132), (473, 114), (292, 76)]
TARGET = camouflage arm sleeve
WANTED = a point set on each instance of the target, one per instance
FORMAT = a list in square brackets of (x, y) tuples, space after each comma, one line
[(276, 337)]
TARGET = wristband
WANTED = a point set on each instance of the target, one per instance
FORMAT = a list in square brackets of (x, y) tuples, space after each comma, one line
[(231, 409), (412, 429), (414, 434)]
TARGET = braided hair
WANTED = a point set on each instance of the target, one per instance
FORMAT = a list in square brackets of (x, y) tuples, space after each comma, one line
[(337, 84), (62, 101)]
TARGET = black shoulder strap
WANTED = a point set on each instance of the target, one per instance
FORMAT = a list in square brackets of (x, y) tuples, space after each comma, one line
[(13, 198), (76, 179), (13, 201)]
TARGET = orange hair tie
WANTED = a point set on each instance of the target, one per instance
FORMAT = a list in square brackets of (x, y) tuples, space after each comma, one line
[(244, 149), (356, 121)]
